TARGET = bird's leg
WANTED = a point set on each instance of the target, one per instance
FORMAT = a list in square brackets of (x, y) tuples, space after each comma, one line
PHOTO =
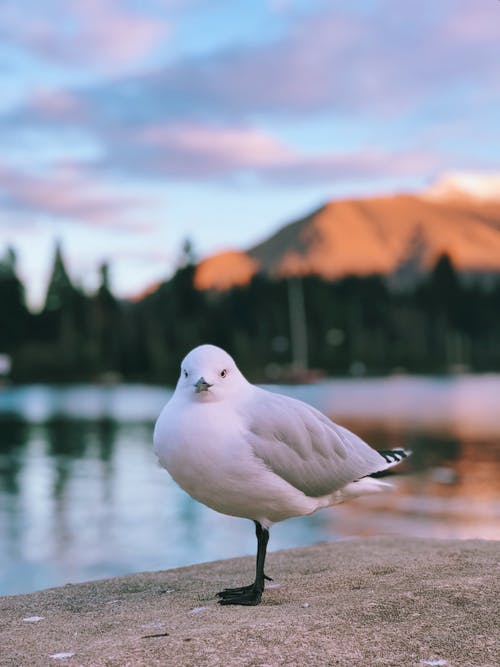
[(240, 589), (252, 594)]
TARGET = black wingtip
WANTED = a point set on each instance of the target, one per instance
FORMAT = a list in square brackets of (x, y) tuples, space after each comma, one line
[(382, 473), (392, 457)]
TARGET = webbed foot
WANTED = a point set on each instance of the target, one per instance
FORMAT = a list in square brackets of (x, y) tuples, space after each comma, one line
[(245, 595)]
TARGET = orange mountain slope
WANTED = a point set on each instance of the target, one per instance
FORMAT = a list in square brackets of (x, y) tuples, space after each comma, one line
[(399, 236)]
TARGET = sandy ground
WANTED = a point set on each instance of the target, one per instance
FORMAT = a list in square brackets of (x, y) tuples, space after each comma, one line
[(359, 603)]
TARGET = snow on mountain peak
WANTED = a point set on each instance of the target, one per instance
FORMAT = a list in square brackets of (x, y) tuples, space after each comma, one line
[(469, 184)]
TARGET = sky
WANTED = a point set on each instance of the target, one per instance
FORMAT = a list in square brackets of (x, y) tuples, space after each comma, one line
[(127, 126)]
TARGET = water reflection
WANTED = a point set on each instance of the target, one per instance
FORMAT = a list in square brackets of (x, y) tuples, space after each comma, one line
[(82, 497), (14, 437), (451, 489)]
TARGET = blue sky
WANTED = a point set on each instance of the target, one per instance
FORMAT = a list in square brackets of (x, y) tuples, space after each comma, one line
[(127, 126)]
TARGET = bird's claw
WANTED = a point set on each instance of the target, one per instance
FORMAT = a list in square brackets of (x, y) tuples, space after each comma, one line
[(246, 595), (227, 592)]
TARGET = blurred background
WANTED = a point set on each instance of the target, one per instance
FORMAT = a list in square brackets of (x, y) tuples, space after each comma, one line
[(314, 187)]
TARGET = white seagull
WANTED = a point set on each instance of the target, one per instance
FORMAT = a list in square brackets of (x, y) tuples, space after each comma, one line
[(251, 453)]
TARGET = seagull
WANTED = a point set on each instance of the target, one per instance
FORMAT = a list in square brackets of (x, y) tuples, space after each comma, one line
[(259, 455)]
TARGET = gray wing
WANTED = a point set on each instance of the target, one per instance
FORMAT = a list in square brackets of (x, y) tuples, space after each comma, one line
[(304, 447)]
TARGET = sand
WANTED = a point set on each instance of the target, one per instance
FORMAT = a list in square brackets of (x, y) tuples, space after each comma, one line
[(379, 601)]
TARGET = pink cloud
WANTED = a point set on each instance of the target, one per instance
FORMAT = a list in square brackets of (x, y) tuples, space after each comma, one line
[(57, 104), (393, 60), (227, 147), (474, 23), (111, 33), (202, 152), (389, 60), (103, 33), (345, 166), (72, 194)]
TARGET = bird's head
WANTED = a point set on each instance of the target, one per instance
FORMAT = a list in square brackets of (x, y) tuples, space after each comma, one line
[(208, 373)]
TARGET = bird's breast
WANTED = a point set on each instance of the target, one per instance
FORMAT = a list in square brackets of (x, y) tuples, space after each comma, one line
[(198, 445)]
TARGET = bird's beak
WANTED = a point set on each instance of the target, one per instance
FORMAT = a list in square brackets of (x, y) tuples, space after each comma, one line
[(201, 385)]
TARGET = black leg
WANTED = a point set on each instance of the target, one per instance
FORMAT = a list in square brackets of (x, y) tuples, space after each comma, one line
[(252, 594)]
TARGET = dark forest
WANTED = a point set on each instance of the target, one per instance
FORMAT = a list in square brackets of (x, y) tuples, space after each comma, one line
[(353, 326)]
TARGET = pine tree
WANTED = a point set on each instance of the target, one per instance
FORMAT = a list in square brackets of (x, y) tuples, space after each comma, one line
[(60, 287), (64, 319), (13, 312), (105, 326)]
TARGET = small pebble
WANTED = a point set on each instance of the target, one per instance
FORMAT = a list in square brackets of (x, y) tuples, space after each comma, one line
[(306, 605), (435, 663), (197, 610), (61, 656), (33, 619)]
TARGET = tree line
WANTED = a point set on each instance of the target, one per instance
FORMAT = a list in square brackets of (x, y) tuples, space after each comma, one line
[(355, 325)]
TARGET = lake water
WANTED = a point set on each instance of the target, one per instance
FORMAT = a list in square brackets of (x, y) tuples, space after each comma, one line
[(81, 495)]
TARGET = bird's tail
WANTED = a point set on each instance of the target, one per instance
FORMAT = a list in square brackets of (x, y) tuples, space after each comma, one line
[(360, 487), (393, 457), (367, 485)]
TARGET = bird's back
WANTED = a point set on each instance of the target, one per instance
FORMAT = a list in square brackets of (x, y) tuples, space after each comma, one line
[(304, 447)]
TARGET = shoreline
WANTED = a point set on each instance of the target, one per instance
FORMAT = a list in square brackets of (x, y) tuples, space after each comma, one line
[(376, 601)]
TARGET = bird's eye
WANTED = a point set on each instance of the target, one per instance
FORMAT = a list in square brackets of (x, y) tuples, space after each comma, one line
[(223, 373), (185, 374)]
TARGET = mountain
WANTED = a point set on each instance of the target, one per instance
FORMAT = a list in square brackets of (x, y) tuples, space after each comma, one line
[(400, 236)]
